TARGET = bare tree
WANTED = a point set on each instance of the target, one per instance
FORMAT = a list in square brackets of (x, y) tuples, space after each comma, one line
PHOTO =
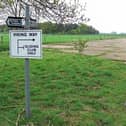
[(59, 11), (11, 7)]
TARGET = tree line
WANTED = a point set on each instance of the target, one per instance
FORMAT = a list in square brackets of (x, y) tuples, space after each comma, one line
[(54, 28)]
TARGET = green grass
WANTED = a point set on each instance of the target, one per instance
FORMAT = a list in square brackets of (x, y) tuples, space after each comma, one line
[(75, 38), (66, 90), (4, 39), (50, 39)]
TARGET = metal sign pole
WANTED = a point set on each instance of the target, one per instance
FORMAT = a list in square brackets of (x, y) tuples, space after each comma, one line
[(18, 48), (27, 77), (27, 88)]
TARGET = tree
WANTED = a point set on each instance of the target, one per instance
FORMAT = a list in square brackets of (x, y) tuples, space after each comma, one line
[(59, 11), (48, 27), (54, 28), (11, 7)]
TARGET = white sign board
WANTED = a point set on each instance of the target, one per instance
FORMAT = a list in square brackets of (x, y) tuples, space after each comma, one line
[(25, 43)]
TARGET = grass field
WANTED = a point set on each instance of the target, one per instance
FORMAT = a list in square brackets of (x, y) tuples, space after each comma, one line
[(50, 39), (75, 38), (66, 90)]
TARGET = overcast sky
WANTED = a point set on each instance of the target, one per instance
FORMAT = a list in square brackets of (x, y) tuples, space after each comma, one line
[(107, 15)]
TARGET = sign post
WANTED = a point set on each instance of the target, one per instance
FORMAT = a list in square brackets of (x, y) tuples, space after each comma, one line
[(25, 43), (27, 77)]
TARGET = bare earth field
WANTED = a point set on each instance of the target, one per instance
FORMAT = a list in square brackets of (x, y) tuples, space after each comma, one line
[(114, 49)]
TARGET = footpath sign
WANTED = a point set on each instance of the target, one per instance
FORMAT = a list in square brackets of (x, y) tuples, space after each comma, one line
[(15, 22), (26, 44), (19, 22)]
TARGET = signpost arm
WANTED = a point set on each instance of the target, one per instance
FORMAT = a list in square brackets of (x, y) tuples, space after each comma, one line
[(27, 77)]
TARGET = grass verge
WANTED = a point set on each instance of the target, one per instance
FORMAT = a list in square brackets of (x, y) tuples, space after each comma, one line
[(66, 90)]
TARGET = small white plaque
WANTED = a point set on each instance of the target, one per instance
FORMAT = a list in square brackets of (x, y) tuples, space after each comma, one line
[(26, 44)]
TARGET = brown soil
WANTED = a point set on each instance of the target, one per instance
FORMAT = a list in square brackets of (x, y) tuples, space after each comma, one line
[(112, 49)]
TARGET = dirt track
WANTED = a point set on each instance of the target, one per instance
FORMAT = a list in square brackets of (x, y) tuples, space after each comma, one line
[(112, 49)]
